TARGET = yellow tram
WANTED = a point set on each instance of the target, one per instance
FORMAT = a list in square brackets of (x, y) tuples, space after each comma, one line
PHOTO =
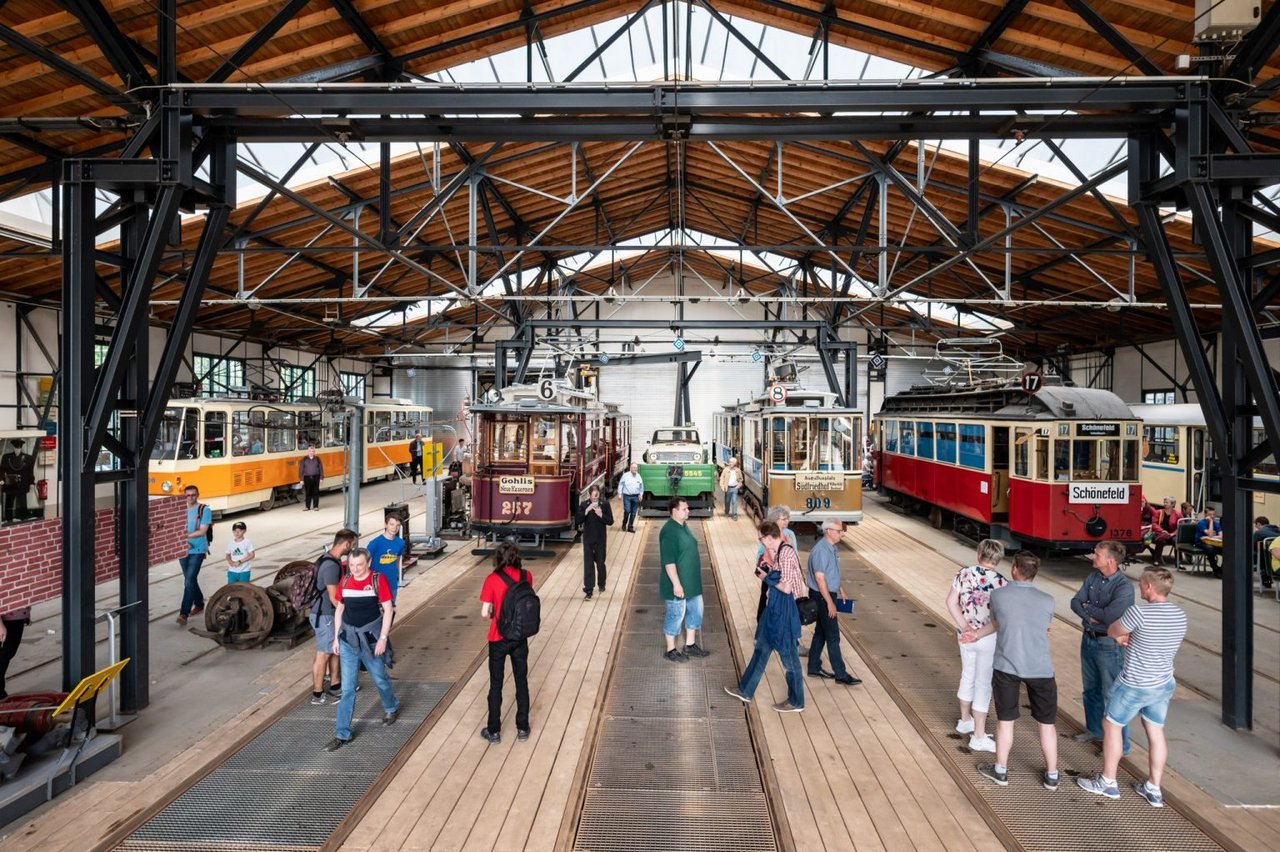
[(243, 453), (797, 449)]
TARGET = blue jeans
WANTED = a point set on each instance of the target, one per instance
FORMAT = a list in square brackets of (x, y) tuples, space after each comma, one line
[(1100, 662), (826, 632), (192, 597), (351, 658), (760, 658), (630, 506), (686, 610), (731, 501)]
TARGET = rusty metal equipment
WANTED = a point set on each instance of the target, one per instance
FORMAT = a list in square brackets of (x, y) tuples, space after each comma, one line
[(243, 615)]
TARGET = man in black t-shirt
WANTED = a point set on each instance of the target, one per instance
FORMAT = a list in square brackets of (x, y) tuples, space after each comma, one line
[(328, 575)]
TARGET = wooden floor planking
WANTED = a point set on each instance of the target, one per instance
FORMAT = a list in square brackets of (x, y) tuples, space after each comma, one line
[(880, 783), (886, 547), (522, 789)]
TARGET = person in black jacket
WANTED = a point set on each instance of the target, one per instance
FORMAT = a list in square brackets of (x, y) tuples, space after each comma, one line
[(594, 516), (17, 467), (311, 471)]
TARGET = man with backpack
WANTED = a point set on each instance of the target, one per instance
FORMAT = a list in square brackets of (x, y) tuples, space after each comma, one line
[(324, 591), (199, 534), (508, 600), (362, 624)]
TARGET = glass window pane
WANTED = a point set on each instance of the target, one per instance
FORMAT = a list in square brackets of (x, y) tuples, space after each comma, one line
[(281, 436), (215, 434), (166, 445), (1022, 452), (800, 443), (545, 431), (924, 440), (973, 446), (778, 458), (946, 442), (907, 437)]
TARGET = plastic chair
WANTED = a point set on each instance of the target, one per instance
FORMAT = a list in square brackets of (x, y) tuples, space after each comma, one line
[(1264, 552), (1184, 547)]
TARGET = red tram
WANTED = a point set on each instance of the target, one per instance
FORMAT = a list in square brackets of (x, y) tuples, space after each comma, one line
[(537, 450), (1056, 469), (618, 445)]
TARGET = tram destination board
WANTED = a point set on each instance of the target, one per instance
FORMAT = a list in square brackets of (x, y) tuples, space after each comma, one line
[(819, 480)]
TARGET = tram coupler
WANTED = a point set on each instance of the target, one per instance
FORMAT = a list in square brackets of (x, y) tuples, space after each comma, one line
[(531, 547)]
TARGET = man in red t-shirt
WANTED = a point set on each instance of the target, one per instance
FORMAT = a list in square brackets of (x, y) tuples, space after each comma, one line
[(361, 625), (506, 560)]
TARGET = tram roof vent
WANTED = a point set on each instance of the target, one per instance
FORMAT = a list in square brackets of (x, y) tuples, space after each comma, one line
[(1068, 407)]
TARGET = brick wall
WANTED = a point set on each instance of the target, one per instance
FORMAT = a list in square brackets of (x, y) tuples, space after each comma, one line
[(31, 553)]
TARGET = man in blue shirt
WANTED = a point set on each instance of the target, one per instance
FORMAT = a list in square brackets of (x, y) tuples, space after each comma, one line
[(631, 487), (1209, 525), (824, 582), (199, 519), (385, 553), (1103, 597)]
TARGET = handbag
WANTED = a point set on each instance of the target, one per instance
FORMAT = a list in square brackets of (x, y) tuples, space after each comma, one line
[(808, 609)]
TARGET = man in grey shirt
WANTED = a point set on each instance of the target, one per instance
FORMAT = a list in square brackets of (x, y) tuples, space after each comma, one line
[(824, 582), (1020, 617)]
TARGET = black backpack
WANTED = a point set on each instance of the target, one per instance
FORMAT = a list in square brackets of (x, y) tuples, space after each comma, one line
[(306, 591), (521, 612), (208, 534)]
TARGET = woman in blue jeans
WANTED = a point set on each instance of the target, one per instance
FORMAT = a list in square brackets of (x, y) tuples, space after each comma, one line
[(779, 628)]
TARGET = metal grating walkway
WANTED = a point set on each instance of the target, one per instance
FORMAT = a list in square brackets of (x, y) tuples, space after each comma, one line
[(674, 767), (283, 791), (916, 659)]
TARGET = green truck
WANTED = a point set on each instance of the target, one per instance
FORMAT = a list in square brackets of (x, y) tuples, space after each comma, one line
[(675, 463)]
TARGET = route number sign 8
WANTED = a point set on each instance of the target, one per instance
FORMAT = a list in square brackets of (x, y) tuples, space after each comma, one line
[(777, 394)]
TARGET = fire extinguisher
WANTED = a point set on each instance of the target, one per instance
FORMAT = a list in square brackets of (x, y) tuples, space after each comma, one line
[(42, 490)]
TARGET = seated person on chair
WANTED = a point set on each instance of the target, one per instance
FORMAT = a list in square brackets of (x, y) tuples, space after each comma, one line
[(1164, 524), (1263, 530), (1208, 525), (1270, 566)]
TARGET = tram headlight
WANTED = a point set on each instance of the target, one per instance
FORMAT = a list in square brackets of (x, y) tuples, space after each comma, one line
[(166, 486)]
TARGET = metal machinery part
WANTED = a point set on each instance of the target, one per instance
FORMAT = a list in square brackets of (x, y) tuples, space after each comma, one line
[(243, 616)]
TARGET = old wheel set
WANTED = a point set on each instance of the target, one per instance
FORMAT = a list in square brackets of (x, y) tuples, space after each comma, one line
[(243, 615)]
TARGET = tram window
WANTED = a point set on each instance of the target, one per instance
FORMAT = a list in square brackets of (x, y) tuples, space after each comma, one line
[(906, 437), (973, 446), (336, 433), (379, 428), (778, 457), (1042, 458), (507, 441), (544, 439), (1062, 460), (188, 446), (1268, 465), (1160, 444), (751, 443), (946, 442), (309, 429), (1022, 447), (889, 429), (166, 445), (247, 433), (924, 439), (1130, 473), (735, 432), (215, 434), (835, 443), (569, 438), (281, 435), (800, 445)]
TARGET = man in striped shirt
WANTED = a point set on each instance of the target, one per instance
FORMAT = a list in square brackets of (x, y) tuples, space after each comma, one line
[(1152, 635)]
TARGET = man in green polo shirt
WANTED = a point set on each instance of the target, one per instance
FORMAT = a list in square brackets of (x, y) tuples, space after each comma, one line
[(680, 584)]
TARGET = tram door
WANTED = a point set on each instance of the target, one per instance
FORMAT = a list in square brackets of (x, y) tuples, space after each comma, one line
[(1203, 481), (999, 472)]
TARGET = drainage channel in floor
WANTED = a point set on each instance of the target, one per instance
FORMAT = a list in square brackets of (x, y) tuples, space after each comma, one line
[(914, 656), (673, 767)]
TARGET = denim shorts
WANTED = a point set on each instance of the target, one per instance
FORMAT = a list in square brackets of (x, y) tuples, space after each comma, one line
[(687, 610), (1128, 701), (323, 625)]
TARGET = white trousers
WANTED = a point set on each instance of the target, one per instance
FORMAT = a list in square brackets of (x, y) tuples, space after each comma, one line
[(976, 661)]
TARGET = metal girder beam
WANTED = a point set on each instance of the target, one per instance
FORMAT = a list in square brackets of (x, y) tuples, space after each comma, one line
[(995, 29), (755, 51), (839, 23), (608, 42), (1112, 36), (351, 15), (1257, 47), (254, 42), (62, 66), (118, 49)]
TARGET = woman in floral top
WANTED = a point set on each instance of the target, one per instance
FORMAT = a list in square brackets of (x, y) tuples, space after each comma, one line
[(969, 604)]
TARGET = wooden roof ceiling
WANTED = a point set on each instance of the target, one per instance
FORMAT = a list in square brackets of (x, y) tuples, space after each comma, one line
[(650, 193)]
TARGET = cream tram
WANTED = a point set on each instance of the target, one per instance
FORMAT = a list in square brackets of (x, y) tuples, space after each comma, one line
[(244, 454), (1177, 459), (796, 449), (1056, 469)]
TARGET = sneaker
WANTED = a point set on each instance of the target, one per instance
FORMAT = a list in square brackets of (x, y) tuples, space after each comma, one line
[(733, 690), (182, 620), (988, 770), (1049, 780), (335, 744), (1100, 787), (964, 726), (675, 656), (318, 698), (1086, 737), (787, 707), (587, 597), (982, 743), (849, 680), (196, 610), (1154, 797), (822, 674), (491, 737), (390, 718), (602, 588), (335, 690), (522, 734), (695, 650)]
